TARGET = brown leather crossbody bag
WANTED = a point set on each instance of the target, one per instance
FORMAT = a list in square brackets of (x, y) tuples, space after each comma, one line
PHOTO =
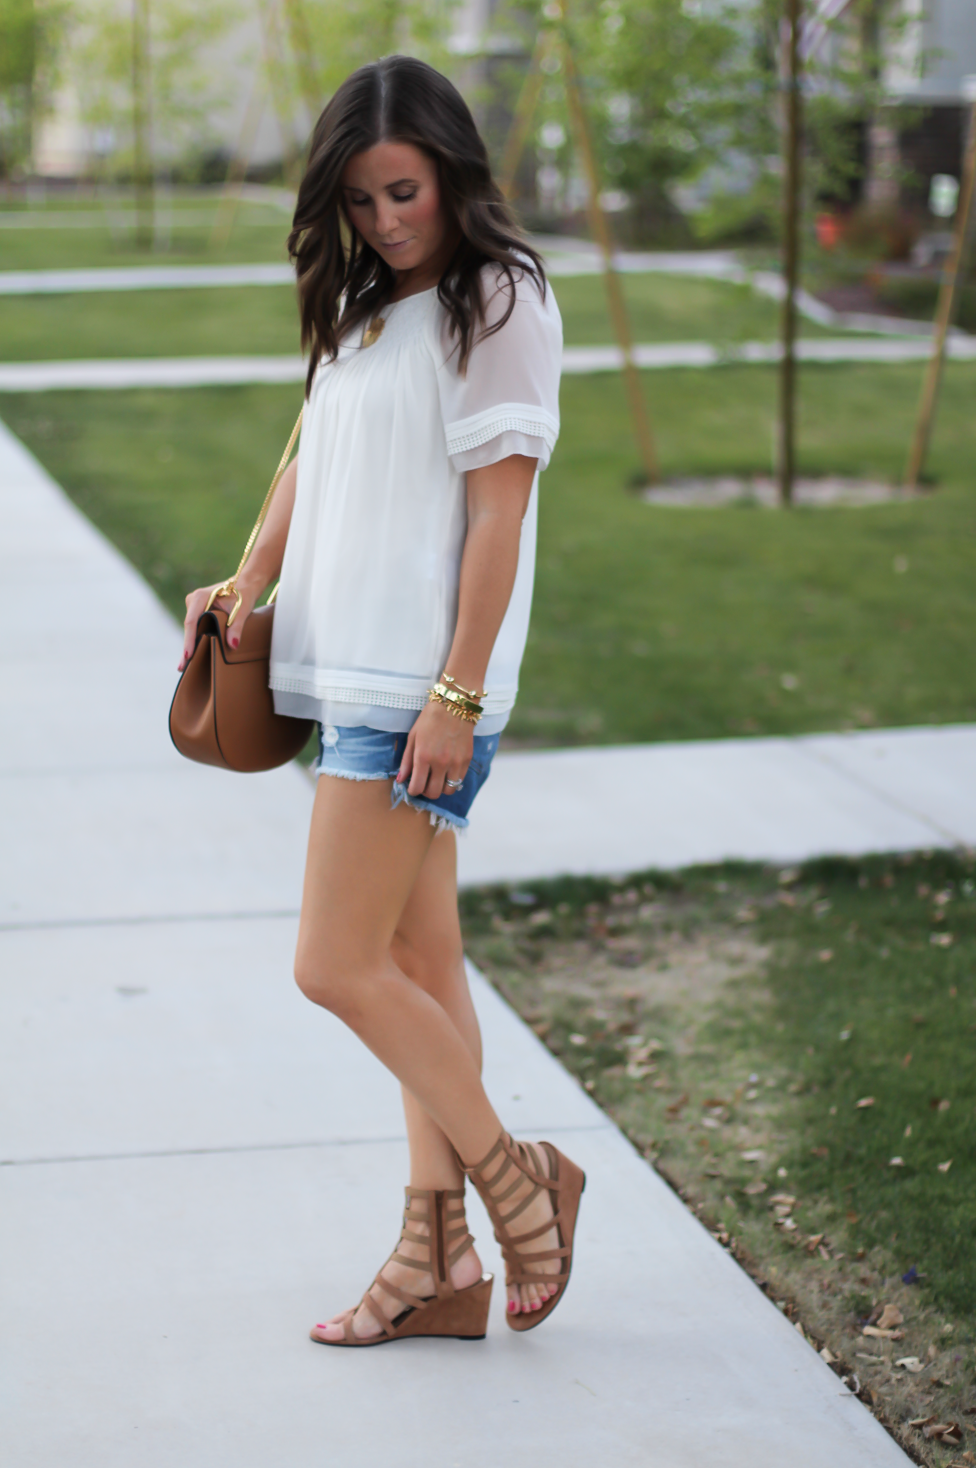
[(223, 710)]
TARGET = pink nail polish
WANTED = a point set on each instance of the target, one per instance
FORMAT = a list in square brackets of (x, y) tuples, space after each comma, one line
[(513, 1307)]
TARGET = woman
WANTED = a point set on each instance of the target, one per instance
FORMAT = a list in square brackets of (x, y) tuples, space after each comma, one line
[(404, 535)]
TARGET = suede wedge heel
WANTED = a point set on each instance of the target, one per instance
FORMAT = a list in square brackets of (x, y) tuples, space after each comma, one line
[(461, 1314), (498, 1177)]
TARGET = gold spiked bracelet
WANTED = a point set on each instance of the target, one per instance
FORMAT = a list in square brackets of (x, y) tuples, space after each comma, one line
[(457, 703)]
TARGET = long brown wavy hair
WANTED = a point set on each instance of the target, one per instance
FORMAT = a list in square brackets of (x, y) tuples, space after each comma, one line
[(341, 280)]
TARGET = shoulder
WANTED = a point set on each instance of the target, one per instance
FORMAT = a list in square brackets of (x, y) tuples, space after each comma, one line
[(518, 293)]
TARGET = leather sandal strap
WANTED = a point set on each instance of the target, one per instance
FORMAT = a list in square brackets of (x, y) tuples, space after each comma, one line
[(535, 1233), (514, 1277), (422, 1264), (461, 1249), (536, 1257), (416, 1302), (374, 1309)]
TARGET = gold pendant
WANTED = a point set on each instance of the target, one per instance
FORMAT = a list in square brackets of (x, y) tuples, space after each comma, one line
[(373, 331)]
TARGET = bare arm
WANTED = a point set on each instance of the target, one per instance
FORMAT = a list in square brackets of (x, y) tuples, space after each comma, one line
[(440, 744), (263, 566)]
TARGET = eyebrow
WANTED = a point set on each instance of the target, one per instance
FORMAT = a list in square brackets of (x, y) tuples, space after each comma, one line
[(398, 183)]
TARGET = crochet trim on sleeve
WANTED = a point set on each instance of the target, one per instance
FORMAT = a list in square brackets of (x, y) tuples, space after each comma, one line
[(471, 433)]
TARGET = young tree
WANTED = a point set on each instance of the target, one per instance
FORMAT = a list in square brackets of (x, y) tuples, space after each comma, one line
[(31, 33), (146, 84)]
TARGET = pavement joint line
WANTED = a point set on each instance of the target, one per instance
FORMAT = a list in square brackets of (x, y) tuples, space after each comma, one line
[(123, 374), (249, 1147), (807, 747), (140, 920)]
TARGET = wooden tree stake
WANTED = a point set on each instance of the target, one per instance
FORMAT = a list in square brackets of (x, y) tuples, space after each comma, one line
[(948, 295), (554, 42), (791, 253), (142, 167)]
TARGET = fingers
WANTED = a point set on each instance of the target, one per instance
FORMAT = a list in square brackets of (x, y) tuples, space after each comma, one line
[(196, 605), (406, 764)]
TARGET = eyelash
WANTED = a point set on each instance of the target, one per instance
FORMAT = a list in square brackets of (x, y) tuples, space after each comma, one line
[(400, 199)]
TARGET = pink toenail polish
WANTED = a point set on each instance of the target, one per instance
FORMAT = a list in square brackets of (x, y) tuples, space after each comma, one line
[(512, 1306)]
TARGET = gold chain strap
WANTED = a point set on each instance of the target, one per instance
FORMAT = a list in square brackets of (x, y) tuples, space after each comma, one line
[(229, 588)]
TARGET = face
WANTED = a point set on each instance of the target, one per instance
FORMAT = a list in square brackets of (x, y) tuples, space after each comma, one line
[(391, 195)]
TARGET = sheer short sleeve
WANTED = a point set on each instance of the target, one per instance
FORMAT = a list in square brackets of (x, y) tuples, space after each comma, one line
[(507, 402)]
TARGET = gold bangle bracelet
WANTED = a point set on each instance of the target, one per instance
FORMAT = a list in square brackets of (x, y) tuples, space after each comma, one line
[(452, 696), (468, 693)]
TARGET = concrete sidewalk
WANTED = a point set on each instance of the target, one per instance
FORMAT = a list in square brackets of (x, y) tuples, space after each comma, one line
[(199, 1164), (136, 372)]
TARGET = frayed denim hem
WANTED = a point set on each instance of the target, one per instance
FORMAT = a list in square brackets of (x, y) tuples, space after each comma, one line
[(441, 820), (349, 774)]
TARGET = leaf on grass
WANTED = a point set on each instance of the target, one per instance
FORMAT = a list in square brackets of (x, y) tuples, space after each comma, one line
[(907, 1061), (896, 1162), (828, 1355), (813, 1241), (825, 955), (881, 1334), (911, 1363), (753, 1189), (946, 1432), (676, 1107), (920, 1421), (577, 1039), (824, 1254), (944, 1166), (755, 1155), (864, 1101), (941, 940), (786, 1224), (782, 1199), (890, 1315)]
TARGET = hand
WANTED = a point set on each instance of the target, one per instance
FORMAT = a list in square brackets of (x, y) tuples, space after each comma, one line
[(196, 605), (439, 748)]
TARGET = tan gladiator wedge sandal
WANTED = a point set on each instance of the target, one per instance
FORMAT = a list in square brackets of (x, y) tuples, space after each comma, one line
[(566, 1181), (462, 1314)]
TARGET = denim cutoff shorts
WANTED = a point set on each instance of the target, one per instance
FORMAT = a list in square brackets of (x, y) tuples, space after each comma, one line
[(374, 754)]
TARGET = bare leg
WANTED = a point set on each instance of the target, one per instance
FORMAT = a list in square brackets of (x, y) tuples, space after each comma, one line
[(380, 946)]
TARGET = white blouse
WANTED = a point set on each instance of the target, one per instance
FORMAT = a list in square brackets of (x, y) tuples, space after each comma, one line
[(367, 606)]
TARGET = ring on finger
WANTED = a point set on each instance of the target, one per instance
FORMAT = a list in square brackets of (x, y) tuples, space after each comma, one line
[(453, 784)]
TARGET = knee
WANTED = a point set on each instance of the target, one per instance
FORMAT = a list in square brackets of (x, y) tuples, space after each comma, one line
[(436, 969), (326, 983)]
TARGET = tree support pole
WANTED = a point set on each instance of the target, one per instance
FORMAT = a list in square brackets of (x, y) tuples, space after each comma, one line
[(615, 296), (948, 296), (142, 168), (230, 197), (791, 253), (303, 52), (518, 133)]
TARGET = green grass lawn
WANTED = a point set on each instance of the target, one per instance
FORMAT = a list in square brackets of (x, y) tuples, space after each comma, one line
[(648, 623), (223, 321), (258, 235), (771, 1041), (227, 320)]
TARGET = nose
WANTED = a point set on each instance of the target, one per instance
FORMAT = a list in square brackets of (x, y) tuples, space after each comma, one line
[(387, 218)]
